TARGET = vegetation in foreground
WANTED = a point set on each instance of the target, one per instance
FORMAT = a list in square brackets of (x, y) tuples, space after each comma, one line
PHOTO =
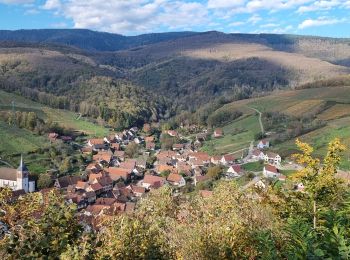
[(275, 223)]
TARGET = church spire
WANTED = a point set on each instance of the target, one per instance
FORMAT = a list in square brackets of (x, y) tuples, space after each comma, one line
[(22, 167)]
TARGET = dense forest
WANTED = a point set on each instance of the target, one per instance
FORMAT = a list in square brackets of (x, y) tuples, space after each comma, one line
[(278, 222)]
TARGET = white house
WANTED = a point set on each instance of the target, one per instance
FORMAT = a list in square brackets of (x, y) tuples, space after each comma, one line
[(176, 180), (151, 181), (16, 179), (227, 159), (272, 158), (263, 144), (270, 171), (258, 155), (234, 171)]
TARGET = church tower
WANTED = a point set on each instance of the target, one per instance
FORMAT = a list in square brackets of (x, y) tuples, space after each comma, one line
[(22, 177)]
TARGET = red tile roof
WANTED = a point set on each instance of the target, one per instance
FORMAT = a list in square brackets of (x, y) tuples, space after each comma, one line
[(173, 177)]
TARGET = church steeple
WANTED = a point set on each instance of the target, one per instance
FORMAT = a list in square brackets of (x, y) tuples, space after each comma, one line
[(22, 167)]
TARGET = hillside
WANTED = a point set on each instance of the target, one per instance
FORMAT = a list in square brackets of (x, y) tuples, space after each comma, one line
[(132, 79), (87, 39), (326, 109)]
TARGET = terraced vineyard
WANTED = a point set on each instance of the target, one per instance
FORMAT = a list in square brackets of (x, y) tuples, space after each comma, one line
[(331, 105)]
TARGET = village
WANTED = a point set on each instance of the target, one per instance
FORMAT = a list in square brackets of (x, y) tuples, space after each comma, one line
[(127, 165)]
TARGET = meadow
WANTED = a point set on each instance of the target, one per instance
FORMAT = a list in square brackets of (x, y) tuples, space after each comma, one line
[(331, 105)]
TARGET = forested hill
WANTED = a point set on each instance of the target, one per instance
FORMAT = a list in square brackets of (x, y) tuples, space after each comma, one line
[(187, 69), (87, 39)]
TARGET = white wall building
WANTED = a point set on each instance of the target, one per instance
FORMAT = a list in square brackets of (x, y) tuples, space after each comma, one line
[(16, 179)]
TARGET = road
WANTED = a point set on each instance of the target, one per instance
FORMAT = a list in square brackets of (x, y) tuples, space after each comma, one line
[(260, 120)]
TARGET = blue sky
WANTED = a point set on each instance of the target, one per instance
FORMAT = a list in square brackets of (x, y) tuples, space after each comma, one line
[(131, 17)]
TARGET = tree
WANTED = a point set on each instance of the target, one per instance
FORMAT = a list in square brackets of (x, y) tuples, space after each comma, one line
[(44, 181), (320, 181), (132, 149), (214, 172)]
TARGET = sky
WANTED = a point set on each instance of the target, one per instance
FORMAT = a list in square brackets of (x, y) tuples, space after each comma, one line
[(131, 17)]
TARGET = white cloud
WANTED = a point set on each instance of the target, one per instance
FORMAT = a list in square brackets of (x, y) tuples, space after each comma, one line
[(16, 1), (269, 25), (52, 4), (131, 16), (321, 21), (218, 4), (254, 19), (234, 24), (320, 5)]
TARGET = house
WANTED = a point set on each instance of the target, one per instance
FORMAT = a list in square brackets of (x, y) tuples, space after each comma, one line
[(273, 158), (102, 157), (106, 182), (204, 157), (65, 181), (81, 185), (218, 133), (234, 171), (200, 178), (152, 181), (163, 167), (17, 179), (258, 155), (227, 159), (172, 133), (178, 147), (176, 180), (270, 171), (215, 159), (138, 191), (150, 146), (119, 173), (184, 168), (263, 144), (95, 141)]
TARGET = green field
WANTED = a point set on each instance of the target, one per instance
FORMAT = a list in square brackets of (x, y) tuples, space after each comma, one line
[(237, 135), (14, 140), (329, 104), (64, 118)]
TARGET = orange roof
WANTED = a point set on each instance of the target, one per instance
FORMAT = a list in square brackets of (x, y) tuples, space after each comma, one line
[(200, 156), (228, 157), (93, 176), (151, 179), (81, 185), (173, 177), (162, 168), (96, 141), (117, 173), (102, 157), (271, 168)]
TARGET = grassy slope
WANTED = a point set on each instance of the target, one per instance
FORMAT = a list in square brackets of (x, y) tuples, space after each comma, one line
[(337, 116), (62, 117), (237, 135), (14, 140)]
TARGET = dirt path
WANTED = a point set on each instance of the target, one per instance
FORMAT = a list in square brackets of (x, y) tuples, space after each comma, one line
[(260, 120)]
